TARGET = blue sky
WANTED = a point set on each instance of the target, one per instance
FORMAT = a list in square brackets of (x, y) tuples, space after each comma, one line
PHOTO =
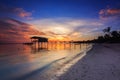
[(62, 8), (80, 19)]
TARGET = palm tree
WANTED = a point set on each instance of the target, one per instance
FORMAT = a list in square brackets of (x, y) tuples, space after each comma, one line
[(107, 30)]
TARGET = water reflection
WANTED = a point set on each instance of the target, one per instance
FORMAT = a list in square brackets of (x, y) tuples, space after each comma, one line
[(20, 49), (47, 46), (25, 59)]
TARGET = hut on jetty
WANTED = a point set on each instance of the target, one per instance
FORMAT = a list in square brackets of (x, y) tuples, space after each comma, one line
[(39, 39), (36, 39)]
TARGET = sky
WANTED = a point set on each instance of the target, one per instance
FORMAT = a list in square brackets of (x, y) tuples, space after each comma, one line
[(57, 19)]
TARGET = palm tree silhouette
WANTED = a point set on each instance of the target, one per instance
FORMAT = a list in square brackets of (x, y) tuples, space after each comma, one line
[(107, 30)]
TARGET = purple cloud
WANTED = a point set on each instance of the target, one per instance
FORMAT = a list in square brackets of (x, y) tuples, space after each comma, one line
[(20, 12), (15, 31), (110, 13)]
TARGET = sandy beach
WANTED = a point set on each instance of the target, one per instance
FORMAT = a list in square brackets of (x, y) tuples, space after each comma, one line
[(100, 63)]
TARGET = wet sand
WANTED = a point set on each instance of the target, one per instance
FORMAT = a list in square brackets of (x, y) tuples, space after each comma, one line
[(102, 62)]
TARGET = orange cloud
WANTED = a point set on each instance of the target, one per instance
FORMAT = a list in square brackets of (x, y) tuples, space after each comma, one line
[(15, 31), (109, 13), (22, 13), (67, 28)]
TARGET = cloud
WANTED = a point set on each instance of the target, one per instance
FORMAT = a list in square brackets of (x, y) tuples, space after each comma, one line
[(67, 27), (15, 31), (110, 13), (110, 17), (19, 12), (22, 13)]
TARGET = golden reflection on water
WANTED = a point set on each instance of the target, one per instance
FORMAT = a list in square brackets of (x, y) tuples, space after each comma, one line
[(52, 46), (24, 53), (29, 60)]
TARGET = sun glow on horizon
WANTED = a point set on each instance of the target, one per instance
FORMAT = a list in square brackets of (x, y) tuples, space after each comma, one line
[(58, 38), (66, 29)]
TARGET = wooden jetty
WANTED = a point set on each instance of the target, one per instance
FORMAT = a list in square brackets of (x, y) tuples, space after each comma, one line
[(43, 43)]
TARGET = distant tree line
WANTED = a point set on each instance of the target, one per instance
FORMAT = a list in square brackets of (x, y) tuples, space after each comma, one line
[(108, 37)]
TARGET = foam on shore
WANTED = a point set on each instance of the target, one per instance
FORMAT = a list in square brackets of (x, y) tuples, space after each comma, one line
[(71, 62)]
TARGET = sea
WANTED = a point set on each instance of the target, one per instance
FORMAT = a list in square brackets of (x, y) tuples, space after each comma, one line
[(36, 61)]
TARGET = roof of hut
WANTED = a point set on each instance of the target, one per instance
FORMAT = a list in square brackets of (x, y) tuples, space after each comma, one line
[(37, 37)]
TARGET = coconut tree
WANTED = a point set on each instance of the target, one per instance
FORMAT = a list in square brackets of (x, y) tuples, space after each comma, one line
[(107, 30), (107, 35)]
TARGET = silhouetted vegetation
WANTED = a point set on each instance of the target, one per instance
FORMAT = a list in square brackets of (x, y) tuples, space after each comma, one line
[(108, 37)]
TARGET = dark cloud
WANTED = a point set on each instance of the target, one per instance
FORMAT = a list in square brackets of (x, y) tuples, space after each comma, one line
[(20, 12), (53, 33), (12, 30)]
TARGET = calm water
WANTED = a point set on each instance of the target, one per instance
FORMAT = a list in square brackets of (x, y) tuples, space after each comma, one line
[(19, 62)]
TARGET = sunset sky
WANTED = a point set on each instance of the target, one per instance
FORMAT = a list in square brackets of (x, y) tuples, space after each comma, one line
[(57, 19)]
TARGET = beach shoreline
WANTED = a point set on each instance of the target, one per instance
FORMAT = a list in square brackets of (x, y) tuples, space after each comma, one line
[(40, 66), (65, 67), (100, 63), (59, 68)]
